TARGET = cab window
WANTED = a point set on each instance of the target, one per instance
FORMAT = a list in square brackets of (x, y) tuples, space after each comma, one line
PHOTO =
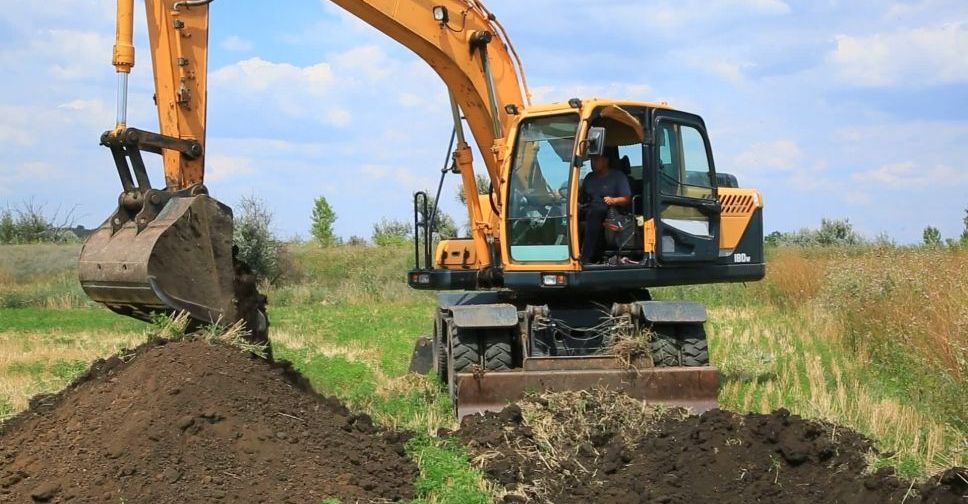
[(684, 167), (540, 183)]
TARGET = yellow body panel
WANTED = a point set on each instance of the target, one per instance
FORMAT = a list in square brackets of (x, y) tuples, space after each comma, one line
[(738, 206), (456, 255)]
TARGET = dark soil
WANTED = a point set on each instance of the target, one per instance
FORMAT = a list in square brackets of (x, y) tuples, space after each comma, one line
[(192, 422), (718, 457)]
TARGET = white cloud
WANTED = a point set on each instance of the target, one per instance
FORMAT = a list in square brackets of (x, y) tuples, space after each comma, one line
[(339, 117), (30, 172), (74, 54), (236, 44), (780, 155), (223, 167), (922, 56), (375, 171), (671, 16), (618, 90), (728, 71), (369, 63), (905, 175), (256, 75)]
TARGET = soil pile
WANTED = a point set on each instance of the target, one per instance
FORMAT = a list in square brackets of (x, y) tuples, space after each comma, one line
[(191, 421), (716, 457)]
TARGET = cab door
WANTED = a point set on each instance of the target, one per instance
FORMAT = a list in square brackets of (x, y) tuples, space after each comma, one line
[(686, 204)]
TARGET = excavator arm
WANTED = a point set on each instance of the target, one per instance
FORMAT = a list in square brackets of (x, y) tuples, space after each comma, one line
[(170, 249)]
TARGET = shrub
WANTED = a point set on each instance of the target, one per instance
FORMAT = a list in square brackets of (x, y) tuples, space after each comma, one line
[(357, 241), (30, 224), (832, 233), (392, 232), (964, 234), (323, 219), (256, 243), (931, 237)]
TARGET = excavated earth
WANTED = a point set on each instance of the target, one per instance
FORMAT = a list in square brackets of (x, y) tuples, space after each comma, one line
[(717, 457), (190, 421)]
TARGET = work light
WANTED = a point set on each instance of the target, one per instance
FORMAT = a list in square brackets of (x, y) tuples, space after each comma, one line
[(441, 15)]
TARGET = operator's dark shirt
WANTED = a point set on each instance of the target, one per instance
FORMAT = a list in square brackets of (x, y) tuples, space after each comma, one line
[(612, 183)]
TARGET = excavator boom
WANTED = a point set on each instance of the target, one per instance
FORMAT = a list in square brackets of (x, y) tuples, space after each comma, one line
[(169, 248)]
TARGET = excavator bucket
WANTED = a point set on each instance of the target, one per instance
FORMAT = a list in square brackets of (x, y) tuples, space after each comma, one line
[(693, 388), (181, 260)]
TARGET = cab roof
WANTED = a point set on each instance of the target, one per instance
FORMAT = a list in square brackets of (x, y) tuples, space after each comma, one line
[(591, 104)]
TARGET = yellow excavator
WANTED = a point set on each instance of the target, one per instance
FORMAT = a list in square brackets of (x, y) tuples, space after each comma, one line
[(540, 296)]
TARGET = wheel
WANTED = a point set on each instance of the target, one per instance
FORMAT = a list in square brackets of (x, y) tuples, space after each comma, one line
[(463, 355), (665, 350), (464, 350), (440, 348), (695, 350), (498, 350)]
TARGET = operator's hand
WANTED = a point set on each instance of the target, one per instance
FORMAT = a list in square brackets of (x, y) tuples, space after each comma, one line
[(609, 200)]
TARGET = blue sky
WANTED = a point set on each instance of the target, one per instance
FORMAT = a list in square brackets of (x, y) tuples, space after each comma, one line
[(833, 108)]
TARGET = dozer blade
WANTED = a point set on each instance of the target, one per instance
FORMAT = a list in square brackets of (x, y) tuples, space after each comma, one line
[(180, 261), (693, 388)]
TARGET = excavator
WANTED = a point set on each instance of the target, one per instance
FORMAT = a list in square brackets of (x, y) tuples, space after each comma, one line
[(519, 308)]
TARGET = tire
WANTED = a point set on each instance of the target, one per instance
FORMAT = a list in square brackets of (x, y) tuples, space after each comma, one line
[(695, 352), (498, 351), (464, 350), (665, 351), (464, 355), (440, 348)]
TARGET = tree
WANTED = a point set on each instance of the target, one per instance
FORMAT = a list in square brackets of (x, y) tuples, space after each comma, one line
[(964, 234), (483, 187), (322, 223), (256, 243), (835, 232), (8, 228), (444, 226), (932, 237), (392, 233)]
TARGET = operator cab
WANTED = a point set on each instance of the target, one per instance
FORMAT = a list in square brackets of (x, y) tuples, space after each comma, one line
[(666, 160)]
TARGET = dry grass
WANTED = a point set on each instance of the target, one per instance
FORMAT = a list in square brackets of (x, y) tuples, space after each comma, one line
[(811, 376), (915, 299), (564, 424), (561, 422), (793, 279), (29, 360)]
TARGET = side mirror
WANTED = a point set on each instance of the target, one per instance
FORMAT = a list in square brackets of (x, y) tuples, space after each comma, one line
[(595, 142)]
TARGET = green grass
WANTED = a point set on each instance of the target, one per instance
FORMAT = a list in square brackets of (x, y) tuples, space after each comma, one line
[(379, 386), (66, 321)]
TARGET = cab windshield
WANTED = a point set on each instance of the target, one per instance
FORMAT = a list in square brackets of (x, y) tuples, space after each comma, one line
[(539, 188)]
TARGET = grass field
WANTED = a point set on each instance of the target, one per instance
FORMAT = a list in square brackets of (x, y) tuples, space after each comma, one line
[(872, 339)]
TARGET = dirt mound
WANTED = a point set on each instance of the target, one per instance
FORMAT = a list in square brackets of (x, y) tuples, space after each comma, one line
[(716, 457), (191, 421)]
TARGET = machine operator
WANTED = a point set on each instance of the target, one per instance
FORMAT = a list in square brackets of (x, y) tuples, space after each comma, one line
[(604, 188)]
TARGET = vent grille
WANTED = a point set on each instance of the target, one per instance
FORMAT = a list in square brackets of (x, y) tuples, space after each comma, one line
[(736, 204)]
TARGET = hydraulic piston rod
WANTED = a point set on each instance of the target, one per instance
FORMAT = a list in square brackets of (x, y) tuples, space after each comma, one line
[(123, 59)]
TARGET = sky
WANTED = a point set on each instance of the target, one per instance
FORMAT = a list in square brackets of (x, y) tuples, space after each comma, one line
[(832, 108)]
